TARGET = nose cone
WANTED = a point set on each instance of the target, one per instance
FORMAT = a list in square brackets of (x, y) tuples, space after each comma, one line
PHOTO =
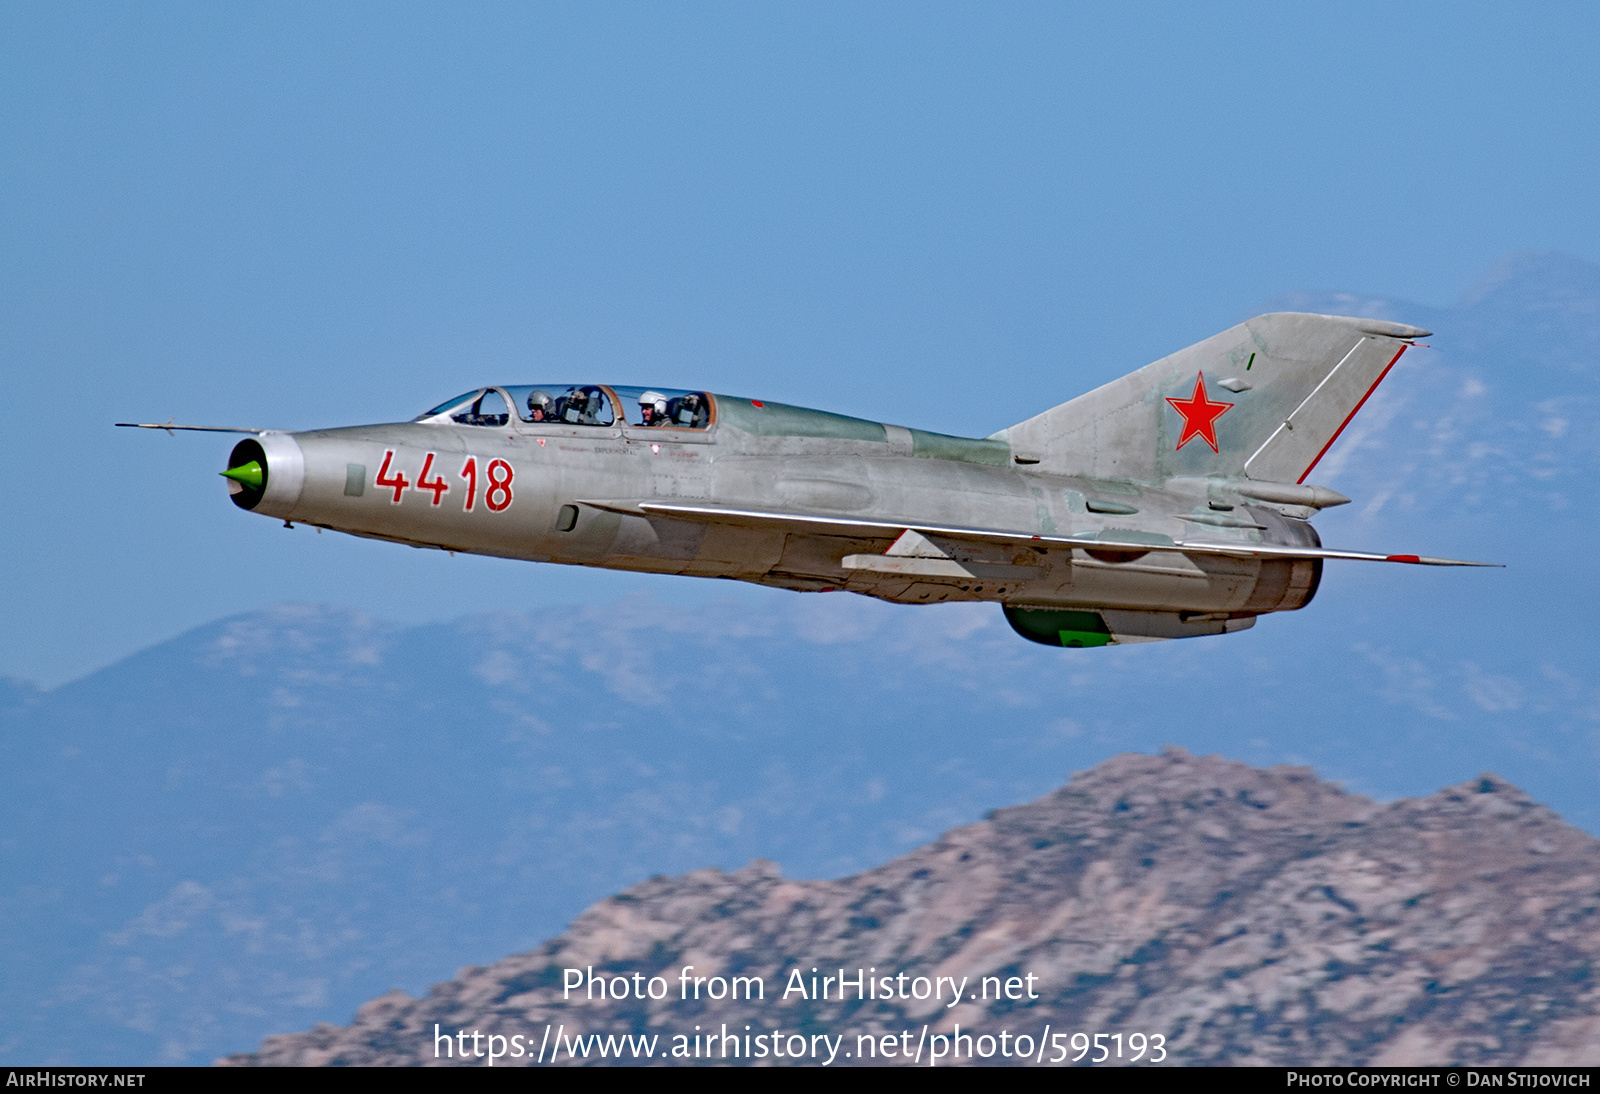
[(251, 476)]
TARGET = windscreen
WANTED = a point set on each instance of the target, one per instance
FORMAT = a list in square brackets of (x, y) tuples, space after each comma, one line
[(448, 404)]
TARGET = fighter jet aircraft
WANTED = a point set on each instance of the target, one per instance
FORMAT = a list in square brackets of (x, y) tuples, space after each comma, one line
[(1170, 503)]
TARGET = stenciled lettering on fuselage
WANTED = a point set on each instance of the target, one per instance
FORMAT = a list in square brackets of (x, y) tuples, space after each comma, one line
[(497, 473)]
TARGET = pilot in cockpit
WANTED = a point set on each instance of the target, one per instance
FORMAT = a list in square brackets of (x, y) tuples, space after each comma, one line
[(541, 407), (653, 409)]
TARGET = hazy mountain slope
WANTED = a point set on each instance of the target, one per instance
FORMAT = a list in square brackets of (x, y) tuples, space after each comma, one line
[(265, 821), (1245, 915), (1494, 422)]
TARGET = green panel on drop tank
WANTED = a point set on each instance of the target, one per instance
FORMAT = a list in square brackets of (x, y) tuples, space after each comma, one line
[(1073, 629)]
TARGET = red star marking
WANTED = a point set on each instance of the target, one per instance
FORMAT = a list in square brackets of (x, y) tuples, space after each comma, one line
[(1199, 414)]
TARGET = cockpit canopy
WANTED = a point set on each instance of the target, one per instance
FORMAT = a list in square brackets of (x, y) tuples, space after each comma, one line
[(576, 405), (663, 406)]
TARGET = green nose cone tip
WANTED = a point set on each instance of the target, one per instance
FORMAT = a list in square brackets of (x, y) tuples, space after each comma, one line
[(249, 475)]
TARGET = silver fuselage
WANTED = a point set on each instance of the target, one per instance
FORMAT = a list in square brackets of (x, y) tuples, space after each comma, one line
[(526, 491)]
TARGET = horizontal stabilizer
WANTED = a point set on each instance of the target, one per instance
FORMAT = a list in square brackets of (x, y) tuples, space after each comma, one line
[(822, 524), (1251, 550)]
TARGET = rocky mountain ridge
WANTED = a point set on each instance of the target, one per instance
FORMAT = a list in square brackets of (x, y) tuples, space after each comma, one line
[(1242, 915)]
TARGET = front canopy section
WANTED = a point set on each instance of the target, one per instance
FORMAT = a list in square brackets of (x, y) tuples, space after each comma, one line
[(567, 404), (563, 404)]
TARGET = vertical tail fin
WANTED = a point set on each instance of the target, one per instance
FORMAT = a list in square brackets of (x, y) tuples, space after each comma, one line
[(1265, 399)]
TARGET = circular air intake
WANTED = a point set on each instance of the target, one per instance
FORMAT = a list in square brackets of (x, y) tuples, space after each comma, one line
[(247, 473)]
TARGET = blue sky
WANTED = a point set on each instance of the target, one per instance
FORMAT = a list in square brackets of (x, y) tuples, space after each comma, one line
[(945, 215)]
